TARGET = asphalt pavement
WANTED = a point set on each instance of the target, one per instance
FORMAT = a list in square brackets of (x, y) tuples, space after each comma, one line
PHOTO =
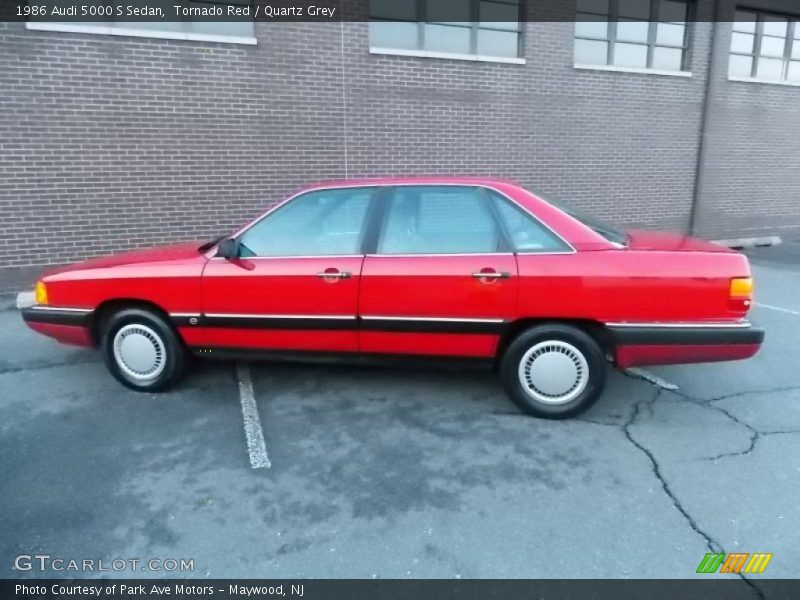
[(402, 472)]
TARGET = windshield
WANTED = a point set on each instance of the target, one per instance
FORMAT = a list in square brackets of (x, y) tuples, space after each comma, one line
[(612, 234)]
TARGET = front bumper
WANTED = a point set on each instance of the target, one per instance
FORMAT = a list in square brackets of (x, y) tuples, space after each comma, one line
[(660, 344), (66, 325), (57, 316)]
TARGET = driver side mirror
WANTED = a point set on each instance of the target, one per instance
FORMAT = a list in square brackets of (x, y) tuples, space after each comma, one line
[(228, 249)]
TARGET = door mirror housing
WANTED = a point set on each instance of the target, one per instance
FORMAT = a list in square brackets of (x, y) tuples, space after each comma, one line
[(228, 249)]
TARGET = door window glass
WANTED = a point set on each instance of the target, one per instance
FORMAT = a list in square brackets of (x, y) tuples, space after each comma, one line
[(319, 223), (439, 220), (526, 233)]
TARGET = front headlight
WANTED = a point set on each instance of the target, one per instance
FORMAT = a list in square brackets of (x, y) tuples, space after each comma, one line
[(40, 293)]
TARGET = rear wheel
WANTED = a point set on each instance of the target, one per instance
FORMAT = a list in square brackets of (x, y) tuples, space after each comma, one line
[(553, 371), (142, 350)]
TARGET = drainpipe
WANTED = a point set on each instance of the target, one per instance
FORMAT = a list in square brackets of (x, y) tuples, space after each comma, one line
[(710, 89)]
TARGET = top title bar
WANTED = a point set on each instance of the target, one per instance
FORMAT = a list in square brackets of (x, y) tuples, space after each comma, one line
[(432, 11)]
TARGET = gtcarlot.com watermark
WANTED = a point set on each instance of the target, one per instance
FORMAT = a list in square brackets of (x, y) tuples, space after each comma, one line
[(45, 563)]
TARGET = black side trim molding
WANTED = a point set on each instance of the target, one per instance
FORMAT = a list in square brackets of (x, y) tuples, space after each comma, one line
[(57, 316), (389, 324), (693, 336), (275, 322), (184, 319), (431, 325)]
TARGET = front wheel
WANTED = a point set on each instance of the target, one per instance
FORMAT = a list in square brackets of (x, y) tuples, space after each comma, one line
[(553, 371), (142, 351)]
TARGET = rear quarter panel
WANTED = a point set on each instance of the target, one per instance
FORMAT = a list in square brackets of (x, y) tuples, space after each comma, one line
[(630, 285)]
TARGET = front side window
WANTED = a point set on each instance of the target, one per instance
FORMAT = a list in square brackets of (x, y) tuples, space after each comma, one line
[(765, 46), (488, 28), (319, 223), (644, 34), (439, 220)]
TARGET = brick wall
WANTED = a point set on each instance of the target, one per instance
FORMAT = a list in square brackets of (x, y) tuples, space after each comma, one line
[(109, 143), (751, 172), (621, 145)]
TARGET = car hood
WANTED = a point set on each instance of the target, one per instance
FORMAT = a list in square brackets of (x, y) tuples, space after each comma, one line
[(184, 250), (673, 242)]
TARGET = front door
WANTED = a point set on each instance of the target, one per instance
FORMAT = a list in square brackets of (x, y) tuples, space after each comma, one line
[(442, 279), (295, 285)]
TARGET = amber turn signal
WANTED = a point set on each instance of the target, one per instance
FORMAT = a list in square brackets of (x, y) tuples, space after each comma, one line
[(742, 287), (40, 293)]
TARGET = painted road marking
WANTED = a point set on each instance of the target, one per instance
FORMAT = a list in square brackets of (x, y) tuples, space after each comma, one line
[(654, 379), (779, 309), (253, 433)]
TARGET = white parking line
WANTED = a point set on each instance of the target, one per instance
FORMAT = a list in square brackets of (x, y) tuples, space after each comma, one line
[(252, 422), (779, 309), (654, 379)]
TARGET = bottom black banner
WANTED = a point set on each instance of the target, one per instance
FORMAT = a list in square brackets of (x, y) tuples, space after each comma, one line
[(396, 589)]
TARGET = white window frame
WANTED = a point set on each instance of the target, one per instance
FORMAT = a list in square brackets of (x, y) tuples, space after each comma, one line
[(651, 43), (791, 40), (474, 26), (112, 26)]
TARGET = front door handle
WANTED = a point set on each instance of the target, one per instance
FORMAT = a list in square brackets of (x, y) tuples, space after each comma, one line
[(490, 274), (334, 274)]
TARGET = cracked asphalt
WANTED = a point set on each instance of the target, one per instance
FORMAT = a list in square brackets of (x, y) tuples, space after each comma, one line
[(405, 472)]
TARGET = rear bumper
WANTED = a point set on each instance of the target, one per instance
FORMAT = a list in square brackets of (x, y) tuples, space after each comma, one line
[(660, 344)]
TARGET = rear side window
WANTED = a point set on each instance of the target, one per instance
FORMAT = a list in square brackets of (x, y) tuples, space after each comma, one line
[(319, 223), (439, 220), (526, 233)]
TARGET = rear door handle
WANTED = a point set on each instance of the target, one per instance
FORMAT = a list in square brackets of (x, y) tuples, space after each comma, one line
[(492, 275), (334, 274)]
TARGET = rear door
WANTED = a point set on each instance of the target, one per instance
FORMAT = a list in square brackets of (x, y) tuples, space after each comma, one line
[(295, 285), (441, 278)]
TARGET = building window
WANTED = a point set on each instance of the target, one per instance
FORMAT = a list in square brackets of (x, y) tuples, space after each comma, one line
[(237, 30), (488, 28), (642, 34), (765, 46)]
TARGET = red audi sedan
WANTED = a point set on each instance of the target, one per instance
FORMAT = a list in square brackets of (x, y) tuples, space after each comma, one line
[(446, 267)]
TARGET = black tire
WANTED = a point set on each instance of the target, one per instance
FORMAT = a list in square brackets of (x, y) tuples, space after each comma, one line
[(549, 345), (151, 328)]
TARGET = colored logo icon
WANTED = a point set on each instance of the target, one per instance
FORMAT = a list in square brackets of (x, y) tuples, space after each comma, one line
[(735, 562)]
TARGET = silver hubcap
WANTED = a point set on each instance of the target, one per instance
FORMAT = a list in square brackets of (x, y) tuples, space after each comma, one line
[(553, 372), (139, 352)]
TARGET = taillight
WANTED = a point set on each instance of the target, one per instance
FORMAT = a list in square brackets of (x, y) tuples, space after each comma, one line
[(742, 287), (741, 293)]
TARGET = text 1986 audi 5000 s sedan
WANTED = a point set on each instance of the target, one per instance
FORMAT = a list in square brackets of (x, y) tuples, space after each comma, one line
[(438, 267)]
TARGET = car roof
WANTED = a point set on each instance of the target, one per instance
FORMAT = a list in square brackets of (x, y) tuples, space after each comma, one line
[(416, 180), (568, 228)]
